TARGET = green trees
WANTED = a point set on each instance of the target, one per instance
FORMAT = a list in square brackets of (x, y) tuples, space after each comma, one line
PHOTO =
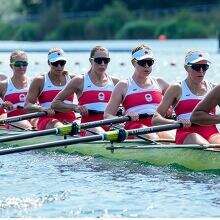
[(107, 19)]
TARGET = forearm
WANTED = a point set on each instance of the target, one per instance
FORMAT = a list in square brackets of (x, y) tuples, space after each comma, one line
[(62, 106), (158, 119), (204, 118), (34, 107)]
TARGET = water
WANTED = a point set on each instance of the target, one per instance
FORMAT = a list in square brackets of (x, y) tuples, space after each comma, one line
[(37, 184)]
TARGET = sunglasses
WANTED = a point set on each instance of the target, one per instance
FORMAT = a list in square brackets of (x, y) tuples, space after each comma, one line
[(20, 63), (59, 62), (197, 67), (99, 60), (144, 62)]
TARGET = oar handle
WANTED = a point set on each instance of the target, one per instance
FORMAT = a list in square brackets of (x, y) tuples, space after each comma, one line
[(155, 129), (22, 117), (94, 112)]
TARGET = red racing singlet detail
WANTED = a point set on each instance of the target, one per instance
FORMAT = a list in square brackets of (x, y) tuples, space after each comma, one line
[(95, 97), (142, 100), (45, 99), (17, 97), (183, 110)]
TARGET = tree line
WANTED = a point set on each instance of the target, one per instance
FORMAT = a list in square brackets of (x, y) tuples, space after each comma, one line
[(36, 20)]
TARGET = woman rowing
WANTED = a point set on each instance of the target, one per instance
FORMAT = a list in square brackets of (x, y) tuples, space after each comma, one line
[(45, 87), (14, 90), (202, 113), (184, 96), (93, 89), (140, 93)]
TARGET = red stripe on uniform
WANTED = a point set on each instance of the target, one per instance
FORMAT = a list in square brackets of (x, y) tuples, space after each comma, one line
[(141, 98), (89, 97), (186, 106), (48, 96), (15, 98)]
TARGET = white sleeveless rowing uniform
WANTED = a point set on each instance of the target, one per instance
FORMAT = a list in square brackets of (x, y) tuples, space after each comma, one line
[(45, 99), (95, 97), (50, 90), (142, 100), (17, 97), (183, 110), (188, 101)]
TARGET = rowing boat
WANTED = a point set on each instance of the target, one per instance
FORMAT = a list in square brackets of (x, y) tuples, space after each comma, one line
[(191, 157)]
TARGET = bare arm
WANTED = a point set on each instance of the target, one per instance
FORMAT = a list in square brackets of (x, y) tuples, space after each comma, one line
[(4, 104), (163, 85), (201, 114), (115, 80), (74, 86), (3, 86), (115, 100), (33, 93), (170, 98)]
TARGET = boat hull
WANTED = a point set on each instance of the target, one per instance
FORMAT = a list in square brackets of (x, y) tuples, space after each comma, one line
[(192, 159), (136, 150)]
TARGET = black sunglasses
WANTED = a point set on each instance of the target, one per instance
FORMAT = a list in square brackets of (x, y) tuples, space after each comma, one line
[(197, 67), (61, 62), (99, 60), (144, 62), (20, 63)]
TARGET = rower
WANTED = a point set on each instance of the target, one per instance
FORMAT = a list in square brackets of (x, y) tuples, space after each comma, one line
[(202, 113), (45, 87), (93, 89), (184, 96), (140, 93), (14, 90)]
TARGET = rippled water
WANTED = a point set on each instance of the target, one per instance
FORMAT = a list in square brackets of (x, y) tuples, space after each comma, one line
[(52, 185)]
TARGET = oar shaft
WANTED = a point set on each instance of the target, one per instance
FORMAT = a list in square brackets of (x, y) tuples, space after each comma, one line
[(51, 144), (116, 135), (155, 129), (67, 128), (110, 121), (27, 135), (22, 117)]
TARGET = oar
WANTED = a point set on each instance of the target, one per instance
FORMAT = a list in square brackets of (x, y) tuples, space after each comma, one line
[(22, 117), (72, 129), (211, 147), (115, 135)]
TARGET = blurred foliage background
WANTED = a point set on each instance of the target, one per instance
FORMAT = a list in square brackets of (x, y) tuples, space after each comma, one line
[(35, 20)]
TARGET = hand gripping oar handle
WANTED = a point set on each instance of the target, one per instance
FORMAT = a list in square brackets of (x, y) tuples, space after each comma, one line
[(109, 136), (22, 117)]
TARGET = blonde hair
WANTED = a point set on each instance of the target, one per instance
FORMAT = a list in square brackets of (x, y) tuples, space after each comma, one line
[(17, 53), (97, 48)]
